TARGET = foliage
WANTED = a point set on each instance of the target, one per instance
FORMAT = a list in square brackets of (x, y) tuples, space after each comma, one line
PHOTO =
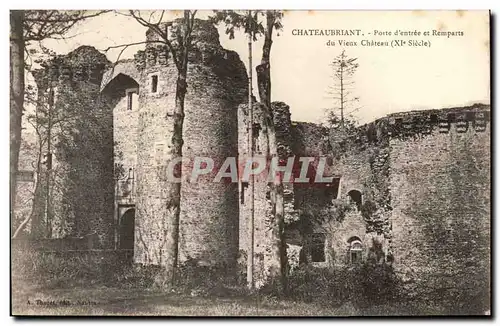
[(333, 213), (250, 22), (334, 121), (43, 24), (363, 285), (293, 253), (213, 280), (291, 214), (80, 268), (368, 209), (336, 211)]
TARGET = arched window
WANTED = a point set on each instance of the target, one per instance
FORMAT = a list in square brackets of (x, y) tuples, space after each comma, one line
[(356, 197), (355, 250)]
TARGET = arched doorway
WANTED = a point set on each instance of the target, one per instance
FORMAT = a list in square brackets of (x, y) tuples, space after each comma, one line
[(127, 226), (356, 197)]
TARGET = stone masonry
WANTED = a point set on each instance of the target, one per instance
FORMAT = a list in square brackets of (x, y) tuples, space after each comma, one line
[(81, 178), (416, 184), (209, 211)]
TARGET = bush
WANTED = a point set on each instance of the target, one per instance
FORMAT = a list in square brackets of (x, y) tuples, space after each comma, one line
[(320, 284), (79, 268), (212, 280), (379, 283), (362, 285)]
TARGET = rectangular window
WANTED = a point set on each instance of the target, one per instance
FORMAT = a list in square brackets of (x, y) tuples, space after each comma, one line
[(129, 101), (318, 247), (154, 84), (159, 152), (244, 185), (356, 257), (132, 98), (256, 130), (332, 189)]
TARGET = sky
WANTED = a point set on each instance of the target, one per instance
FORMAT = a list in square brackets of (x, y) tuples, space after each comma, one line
[(453, 71)]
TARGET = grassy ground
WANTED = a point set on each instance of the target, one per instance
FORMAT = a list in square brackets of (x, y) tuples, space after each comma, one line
[(99, 300)]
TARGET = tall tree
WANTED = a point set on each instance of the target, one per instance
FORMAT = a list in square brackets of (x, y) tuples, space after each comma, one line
[(278, 246), (16, 97), (255, 24), (341, 115), (179, 54)]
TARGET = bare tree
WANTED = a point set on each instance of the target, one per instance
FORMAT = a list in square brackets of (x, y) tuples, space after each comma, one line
[(257, 23), (39, 25), (341, 115)]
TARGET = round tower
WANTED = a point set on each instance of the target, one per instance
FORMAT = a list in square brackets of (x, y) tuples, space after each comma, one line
[(208, 228), (77, 175)]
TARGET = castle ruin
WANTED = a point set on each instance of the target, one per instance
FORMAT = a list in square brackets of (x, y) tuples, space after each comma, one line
[(419, 181)]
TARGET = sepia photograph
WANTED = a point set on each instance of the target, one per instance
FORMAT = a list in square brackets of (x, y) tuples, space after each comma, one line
[(278, 163)]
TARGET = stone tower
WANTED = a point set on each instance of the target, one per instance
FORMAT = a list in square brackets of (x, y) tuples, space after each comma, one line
[(81, 175), (209, 211)]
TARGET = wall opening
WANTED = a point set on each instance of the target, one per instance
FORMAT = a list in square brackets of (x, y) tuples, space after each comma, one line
[(123, 86), (132, 99), (154, 84), (129, 101), (256, 128), (317, 247), (355, 250), (332, 189), (159, 154), (356, 197), (244, 186), (127, 226)]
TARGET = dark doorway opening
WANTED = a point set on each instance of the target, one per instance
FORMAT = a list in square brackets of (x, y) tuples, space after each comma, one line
[(317, 247), (356, 197), (127, 226)]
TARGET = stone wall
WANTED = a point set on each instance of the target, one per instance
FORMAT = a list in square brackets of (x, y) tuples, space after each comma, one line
[(154, 137), (440, 194), (125, 125), (120, 88), (424, 178), (262, 196), (262, 203)]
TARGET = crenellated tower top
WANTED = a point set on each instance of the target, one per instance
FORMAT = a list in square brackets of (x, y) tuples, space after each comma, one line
[(85, 63)]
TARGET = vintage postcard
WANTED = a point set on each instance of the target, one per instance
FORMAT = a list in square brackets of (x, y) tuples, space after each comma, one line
[(250, 163)]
